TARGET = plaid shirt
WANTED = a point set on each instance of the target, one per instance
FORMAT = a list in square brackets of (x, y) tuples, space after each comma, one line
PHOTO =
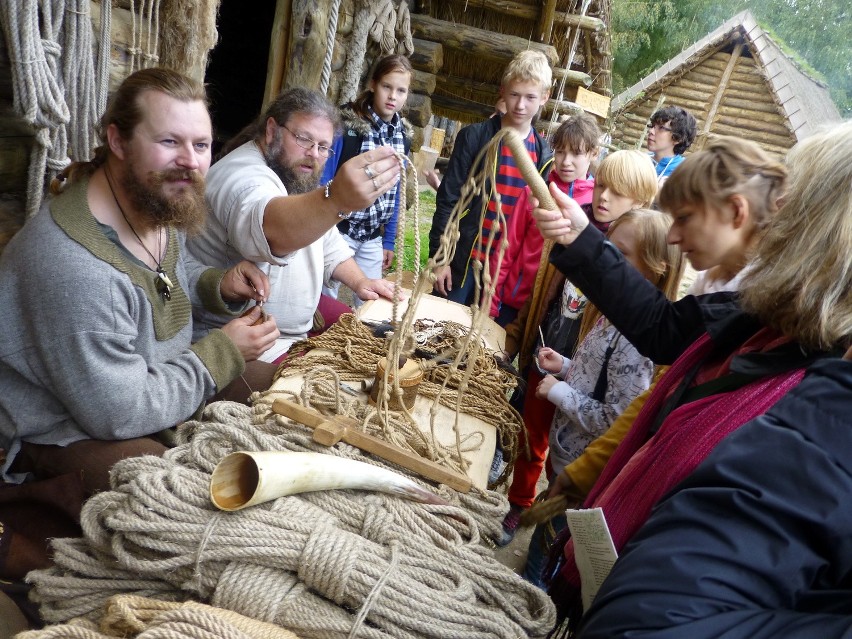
[(364, 224)]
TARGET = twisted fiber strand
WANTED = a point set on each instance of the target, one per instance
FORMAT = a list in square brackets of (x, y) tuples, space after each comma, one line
[(158, 512), (130, 614)]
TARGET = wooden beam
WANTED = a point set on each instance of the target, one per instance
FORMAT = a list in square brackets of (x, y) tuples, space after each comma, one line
[(307, 43), (279, 48), (477, 110), (456, 85), (428, 56), (531, 12), (572, 78), (479, 42), (723, 84), (545, 23)]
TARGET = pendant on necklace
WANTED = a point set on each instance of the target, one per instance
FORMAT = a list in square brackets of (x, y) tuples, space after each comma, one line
[(164, 284)]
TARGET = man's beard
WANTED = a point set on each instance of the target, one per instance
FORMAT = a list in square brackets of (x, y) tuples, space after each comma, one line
[(185, 210), (295, 182)]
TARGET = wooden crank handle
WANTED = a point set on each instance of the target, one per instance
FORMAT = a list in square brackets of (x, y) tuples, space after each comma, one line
[(329, 430), (528, 170)]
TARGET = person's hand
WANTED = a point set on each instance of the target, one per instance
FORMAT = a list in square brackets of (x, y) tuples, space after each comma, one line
[(545, 385), (562, 485), (848, 354), (443, 280), (433, 178), (368, 289), (362, 179), (244, 281), (549, 360), (564, 225), (387, 259), (252, 339)]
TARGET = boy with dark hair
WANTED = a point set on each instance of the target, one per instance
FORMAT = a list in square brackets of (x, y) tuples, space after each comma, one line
[(671, 132), (524, 89)]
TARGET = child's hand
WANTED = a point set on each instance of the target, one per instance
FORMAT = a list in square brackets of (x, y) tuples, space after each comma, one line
[(544, 386), (549, 360)]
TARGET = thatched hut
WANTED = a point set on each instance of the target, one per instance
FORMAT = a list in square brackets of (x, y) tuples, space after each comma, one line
[(736, 81), (459, 49)]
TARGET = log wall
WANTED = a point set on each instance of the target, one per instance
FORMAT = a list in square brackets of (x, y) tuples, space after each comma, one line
[(746, 107)]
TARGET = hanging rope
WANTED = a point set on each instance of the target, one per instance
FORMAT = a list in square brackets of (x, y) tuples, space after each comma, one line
[(329, 46), (568, 62), (325, 564)]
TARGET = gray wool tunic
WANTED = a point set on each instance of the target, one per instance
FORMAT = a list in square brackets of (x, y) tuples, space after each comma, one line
[(88, 348)]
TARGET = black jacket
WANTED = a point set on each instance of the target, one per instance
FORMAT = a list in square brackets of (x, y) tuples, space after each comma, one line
[(658, 328), (757, 542), (465, 161)]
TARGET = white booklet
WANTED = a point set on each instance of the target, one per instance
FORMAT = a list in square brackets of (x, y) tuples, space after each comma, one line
[(594, 551)]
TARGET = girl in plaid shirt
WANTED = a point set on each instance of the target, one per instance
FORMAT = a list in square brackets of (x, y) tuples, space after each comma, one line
[(373, 120)]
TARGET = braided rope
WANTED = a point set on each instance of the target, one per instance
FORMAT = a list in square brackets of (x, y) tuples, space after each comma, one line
[(325, 78), (314, 563)]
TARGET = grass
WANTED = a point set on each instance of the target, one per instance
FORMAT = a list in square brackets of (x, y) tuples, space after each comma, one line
[(427, 210)]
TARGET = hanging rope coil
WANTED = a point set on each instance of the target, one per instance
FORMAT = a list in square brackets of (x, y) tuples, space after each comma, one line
[(323, 564)]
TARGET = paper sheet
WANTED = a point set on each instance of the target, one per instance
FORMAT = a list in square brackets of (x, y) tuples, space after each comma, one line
[(594, 551)]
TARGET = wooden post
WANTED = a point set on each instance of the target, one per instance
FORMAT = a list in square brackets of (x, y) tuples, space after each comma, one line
[(307, 43), (479, 42), (531, 12), (279, 50), (720, 92), (419, 109), (545, 24)]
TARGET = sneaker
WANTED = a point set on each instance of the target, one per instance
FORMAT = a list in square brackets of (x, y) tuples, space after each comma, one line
[(510, 524)]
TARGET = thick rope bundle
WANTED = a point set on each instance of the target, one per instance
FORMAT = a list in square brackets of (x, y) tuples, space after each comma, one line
[(55, 87), (329, 564), (133, 616)]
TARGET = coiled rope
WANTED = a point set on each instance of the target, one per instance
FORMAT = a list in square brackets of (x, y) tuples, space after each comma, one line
[(325, 565), (54, 82)]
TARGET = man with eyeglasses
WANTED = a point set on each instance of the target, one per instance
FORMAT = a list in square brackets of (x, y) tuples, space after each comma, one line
[(671, 132), (267, 206)]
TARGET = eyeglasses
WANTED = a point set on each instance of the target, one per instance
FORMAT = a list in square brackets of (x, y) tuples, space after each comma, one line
[(308, 144), (659, 127)]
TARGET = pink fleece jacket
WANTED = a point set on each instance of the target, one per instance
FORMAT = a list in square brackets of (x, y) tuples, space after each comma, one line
[(520, 263)]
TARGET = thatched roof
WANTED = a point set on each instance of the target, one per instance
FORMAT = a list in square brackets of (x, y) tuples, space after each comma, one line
[(804, 101)]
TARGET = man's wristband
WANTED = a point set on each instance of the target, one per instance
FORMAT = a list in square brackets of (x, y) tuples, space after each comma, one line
[(343, 215)]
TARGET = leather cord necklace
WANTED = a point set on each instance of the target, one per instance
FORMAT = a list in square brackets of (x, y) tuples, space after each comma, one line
[(163, 283)]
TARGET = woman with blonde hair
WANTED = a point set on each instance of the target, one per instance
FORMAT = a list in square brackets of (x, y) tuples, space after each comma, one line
[(730, 364)]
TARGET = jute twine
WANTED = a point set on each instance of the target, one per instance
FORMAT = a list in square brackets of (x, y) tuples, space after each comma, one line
[(143, 618), (348, 351), (325, 564)]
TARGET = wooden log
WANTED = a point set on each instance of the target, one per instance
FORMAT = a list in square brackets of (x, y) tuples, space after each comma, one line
[(422, 82), (530, 12), (735, 105), (478, 42), (476, 110), (489, 92), (705, 76), (720, 91), (737, 130), (428, 56), (419, 109), (545, 23), (572, 78), (762, 126), (307, 40), (279, 51)]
